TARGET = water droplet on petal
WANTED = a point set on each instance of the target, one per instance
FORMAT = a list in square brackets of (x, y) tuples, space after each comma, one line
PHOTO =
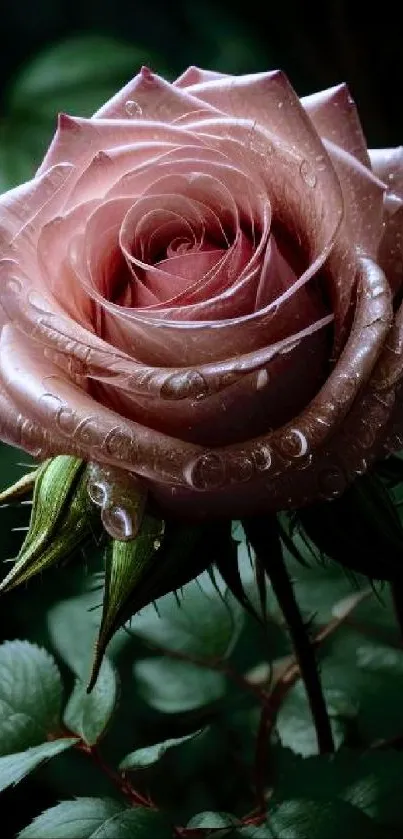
[(120, 446), (240, 467), (133, 108), (262, 457), (98, 492), (118, 522), (293, 443), (188, 385), (206, 471), (66, 420)]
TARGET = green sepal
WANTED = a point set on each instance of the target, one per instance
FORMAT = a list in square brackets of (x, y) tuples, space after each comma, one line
[(361, 530), (61, 519), (24, 486), (125, 563), (186, 550)]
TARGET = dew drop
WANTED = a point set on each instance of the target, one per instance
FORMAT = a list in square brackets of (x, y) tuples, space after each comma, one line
[(207, 471), (119, 445), (262, 457), (308, 174), (133, 108), (66, 420), (98, 492), (118, 522), (86, 431), (293, 443), (51, 403), (188, 385), (240, 467)]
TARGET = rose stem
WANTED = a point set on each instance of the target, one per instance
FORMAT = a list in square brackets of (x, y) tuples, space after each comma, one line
[(266, 543), (397, 597)]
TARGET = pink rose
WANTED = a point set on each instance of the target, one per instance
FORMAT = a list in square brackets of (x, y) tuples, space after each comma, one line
[(201, 286)]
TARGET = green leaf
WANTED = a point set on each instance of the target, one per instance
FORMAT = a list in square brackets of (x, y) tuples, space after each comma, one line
[(103, 818), (210, 820), (30, 695), (77, 75), (370, 780), (72, 626), (172, 686), (294, 720), (372, 677), (300, 818), (206, 621), (320, 585), (261, 832), (147, 756), (88, 714), (16, 766)]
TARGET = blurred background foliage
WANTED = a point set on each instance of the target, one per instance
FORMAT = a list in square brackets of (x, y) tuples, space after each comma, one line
[(71, 56)]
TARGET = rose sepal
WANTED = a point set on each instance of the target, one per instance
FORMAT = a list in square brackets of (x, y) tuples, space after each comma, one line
[(361, 529), (161, 559), (62, 519)]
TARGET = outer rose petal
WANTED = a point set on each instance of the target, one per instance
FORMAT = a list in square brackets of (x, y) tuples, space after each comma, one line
[(388, 165), (151, 97), (28, 206), (334, 115), (195, 75), (78, 140)]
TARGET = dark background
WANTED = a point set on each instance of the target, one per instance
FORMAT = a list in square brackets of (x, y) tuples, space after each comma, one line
[(318, 44)]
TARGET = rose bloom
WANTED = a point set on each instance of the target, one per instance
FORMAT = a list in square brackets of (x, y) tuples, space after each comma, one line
[(201, 287)]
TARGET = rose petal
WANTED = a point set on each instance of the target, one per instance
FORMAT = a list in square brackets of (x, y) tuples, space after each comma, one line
[(73, 423), (388, 166), (24, 209), (78, 140), (195, 75), (335, 117), (151, 97), (254, 403)]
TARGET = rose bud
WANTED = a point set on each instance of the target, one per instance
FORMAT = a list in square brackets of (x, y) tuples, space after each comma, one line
[(201, 287)]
